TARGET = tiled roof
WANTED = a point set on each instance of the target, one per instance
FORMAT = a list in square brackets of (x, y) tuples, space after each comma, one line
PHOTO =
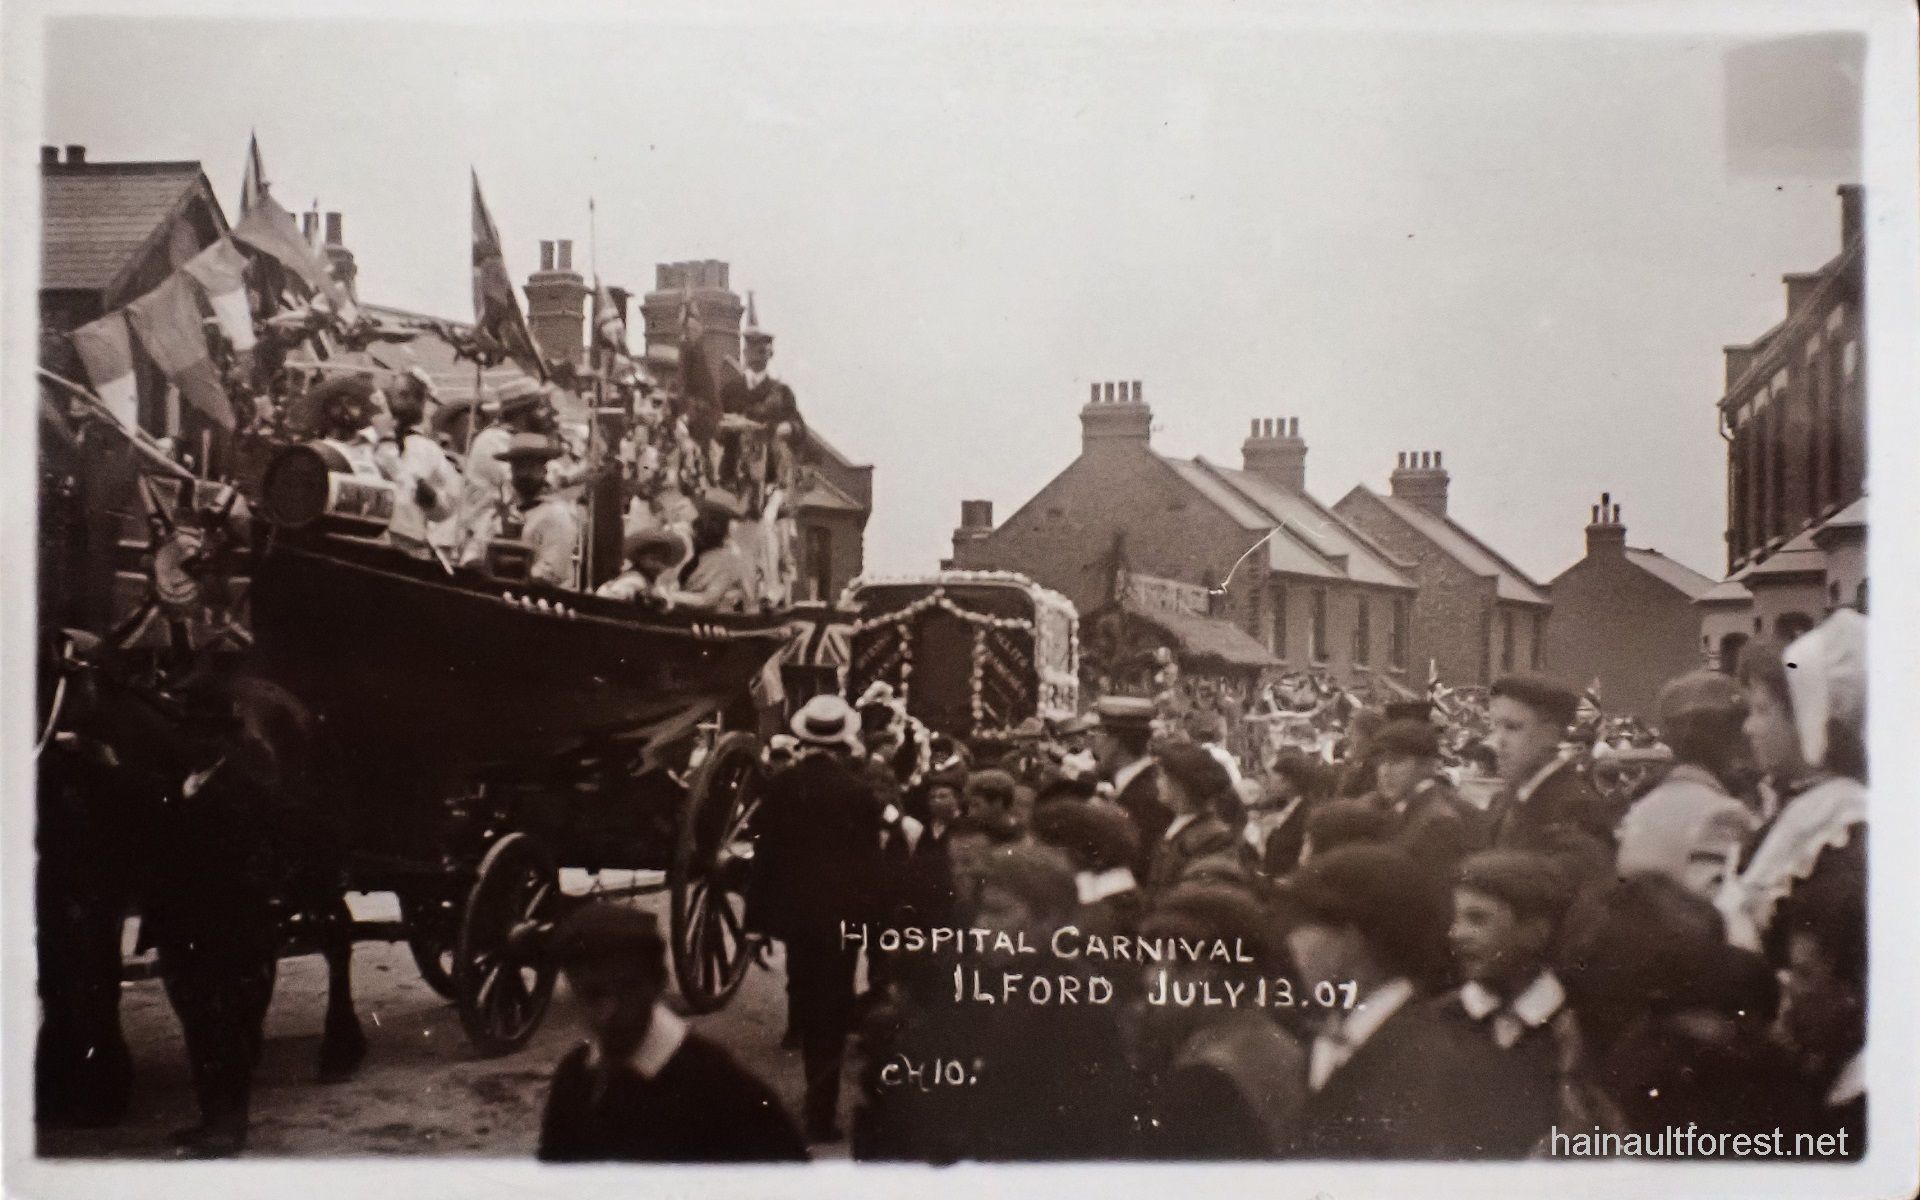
[(1727, 591), (1683, 578), (1343, 551), (1198, 477), (1208, 638), (94, 216), (1466, 549)]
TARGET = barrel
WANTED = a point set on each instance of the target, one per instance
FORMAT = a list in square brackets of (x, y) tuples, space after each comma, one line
[(314, 482)]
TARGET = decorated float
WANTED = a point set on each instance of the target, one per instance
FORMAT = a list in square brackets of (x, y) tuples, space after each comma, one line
[(972, 654)]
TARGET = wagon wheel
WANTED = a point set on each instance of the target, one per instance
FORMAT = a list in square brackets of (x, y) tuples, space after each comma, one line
[(708, 876), (500, 983), (433, 932)]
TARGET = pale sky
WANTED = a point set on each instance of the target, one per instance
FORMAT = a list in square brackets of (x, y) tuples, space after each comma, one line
[(1524, 251)]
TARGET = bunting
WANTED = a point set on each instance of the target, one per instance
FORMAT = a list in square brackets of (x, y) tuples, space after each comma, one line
[(221, 272), (496, 311), (106, 350), (167, 321)]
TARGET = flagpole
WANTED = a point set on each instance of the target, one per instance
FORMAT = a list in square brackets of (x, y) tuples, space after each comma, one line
[(585, 576)]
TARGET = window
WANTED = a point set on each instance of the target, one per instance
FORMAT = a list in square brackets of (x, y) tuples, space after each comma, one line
[(1317, 644), (1506, 641), (1486, 646), (1539, 652), (1363, 632), (820, 563), (1277, 639), (1397, 643)]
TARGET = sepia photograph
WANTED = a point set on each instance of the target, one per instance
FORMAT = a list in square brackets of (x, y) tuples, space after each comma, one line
[(735, 600)]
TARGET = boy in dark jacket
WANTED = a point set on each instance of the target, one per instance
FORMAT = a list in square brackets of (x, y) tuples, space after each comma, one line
[(645, 1088)]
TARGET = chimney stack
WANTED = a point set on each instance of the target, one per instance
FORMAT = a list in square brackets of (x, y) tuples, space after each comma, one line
[(1275, 452), (976, 525), (1116, 415), (1418, 478), (1605, 534), (556, 305)]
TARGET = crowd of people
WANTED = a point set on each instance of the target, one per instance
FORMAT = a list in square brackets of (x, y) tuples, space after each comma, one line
[(698, 495), (1439, 974)]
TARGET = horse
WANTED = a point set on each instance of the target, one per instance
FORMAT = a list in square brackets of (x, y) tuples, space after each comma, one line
[(190, 805)]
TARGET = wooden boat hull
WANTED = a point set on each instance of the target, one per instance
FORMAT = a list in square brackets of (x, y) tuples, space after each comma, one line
[(462, 669)]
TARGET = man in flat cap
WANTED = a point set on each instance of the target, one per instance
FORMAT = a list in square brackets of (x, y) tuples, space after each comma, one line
[(1545, 803), (1436, 826), (1689, 827), (1122, 733), (644, 1087), (1102, 844), (1387, 1077)]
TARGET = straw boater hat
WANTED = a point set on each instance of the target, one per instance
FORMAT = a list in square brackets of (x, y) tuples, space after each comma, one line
[(520, 394), (530, 446), (827, 720)]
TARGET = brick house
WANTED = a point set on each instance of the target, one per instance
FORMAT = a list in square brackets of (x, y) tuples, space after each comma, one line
[(110, 232), (1476, 616), (1795, 419), (1284, 569), (1625, 616)]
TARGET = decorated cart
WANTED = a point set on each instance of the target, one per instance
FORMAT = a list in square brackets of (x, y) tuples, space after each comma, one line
[(973, 654)]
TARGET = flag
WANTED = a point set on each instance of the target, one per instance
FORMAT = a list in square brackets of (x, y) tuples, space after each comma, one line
[(253, 181), (697, 382), (496, 311), (609, 331), (220, 270), (168, 323), (272, 231), (106, 349)]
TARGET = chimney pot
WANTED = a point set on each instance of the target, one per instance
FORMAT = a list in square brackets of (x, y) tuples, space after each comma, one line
[(308, 222), (1436, 459), (1606, 499), (49, 155), (1139, 393), (546, 256), (565, 256), (334, 237), (1402, 461), (76, 154), (1293, 427), (1254, 431), (1594, 509)]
